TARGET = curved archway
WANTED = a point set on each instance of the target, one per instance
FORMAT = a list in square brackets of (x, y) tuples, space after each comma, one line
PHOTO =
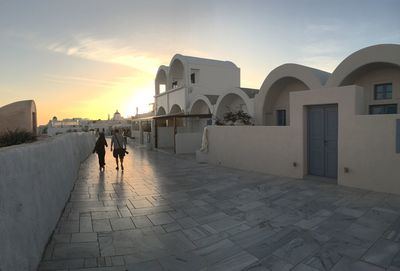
[(200, 106), (230, 102), (161, 80), (161, 111), (363, 61), (276, 103), (175, 109), (176, 73), (372, 68), (274, 92)]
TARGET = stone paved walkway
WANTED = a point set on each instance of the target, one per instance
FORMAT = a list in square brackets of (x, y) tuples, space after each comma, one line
[(169, 213)]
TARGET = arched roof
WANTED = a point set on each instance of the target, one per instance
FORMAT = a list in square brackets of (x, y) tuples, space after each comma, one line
[(382, 53), (238, 92), (175, 67), (162, 109), (175, 108), (164, 69), (312, 78), (201, 98), (20, 104), (202, 61)]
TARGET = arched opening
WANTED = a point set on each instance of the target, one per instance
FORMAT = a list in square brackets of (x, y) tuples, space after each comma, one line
[(381, 83), (175, 109), (200, 107), (231, 103), (276, 107), (161, 111), (161, 81), (176, 74), (277, 85)]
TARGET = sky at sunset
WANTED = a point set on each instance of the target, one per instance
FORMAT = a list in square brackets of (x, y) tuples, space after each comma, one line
[(87, 58)]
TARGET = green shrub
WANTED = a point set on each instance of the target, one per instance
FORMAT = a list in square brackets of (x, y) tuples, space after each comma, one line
[(16, 137), (230, 118)]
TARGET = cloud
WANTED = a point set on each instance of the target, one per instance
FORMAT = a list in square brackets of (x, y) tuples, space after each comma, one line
[(62, 79), (321, 28), (324, 54), (108, 51)]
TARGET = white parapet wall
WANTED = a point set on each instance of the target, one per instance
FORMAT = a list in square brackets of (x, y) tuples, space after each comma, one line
[(367, 156), (165, 137), (264, 149), (137, 135), (35, 182), (187, 142)]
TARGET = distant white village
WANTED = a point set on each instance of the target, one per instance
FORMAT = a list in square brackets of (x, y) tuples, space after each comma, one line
[(56, 127)]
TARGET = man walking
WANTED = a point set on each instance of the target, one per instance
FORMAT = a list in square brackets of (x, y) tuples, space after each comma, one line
[(118, 142)]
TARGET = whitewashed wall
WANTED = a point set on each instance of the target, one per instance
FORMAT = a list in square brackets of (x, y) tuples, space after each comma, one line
[(138, 136), (187, 142), (366, 143), (369, 152), (265, 149), (35, 183), (165, 137)]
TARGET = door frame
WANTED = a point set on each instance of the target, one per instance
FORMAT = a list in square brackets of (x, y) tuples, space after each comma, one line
[(307, 130)]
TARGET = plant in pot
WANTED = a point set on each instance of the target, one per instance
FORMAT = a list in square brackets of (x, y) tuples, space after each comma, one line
[(230, 118), (243, 118)]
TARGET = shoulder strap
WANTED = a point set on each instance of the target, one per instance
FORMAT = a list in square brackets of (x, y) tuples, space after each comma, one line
[(119, 145)]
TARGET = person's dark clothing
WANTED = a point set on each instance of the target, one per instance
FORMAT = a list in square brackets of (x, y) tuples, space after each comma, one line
[(99, 148)]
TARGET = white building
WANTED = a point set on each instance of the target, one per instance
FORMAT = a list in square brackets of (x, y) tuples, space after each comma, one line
[(56, 127), (192, 92), (342, 126), (19, 115), (117, 116)]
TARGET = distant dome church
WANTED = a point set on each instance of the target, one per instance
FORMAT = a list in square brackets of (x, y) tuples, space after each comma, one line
[(117, 116)]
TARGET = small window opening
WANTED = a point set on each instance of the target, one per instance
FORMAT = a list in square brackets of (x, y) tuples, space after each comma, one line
[(383, 109), (281, 117), (194, 76), (383, 91)]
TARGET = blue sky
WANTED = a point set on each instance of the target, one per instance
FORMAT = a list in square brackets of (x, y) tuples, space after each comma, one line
[(88, 58)]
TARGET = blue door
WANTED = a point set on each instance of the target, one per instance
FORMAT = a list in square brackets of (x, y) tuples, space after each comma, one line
[(322, 140)]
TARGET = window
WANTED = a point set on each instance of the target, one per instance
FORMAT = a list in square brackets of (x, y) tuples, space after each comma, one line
[(194, 76), (383, 109), (281, 117), (162, 88), (174, 84), (383, 91)]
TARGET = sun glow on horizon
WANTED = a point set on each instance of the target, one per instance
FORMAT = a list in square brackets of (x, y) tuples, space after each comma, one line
[(80, 61)]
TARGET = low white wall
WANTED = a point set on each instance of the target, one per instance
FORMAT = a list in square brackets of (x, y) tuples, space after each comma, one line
[(165, 137), (265, 149), (35, 183), (52, 131), (369, 152), (137, 135), (188, 142), (366, 143)]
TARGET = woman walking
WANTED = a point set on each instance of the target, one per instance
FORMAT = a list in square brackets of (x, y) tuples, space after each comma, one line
[(118, 142), (99, 148)]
